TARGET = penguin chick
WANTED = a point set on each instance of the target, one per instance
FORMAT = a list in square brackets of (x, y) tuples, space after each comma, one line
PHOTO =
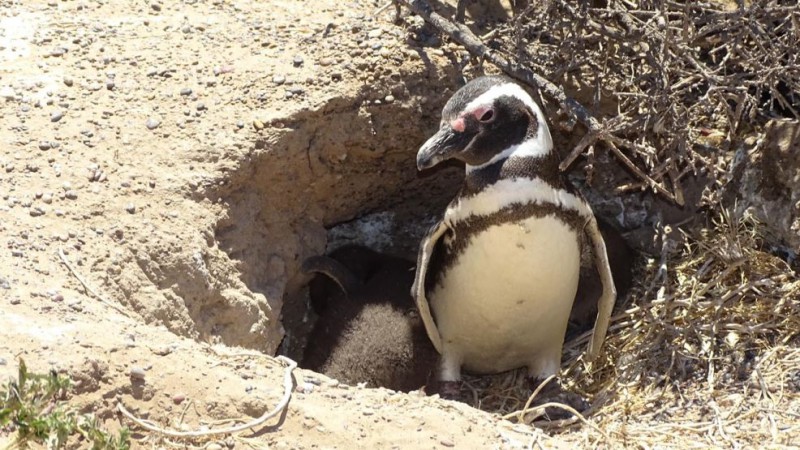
[(369, 331)]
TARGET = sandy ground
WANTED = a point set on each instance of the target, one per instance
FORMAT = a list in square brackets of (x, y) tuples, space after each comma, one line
[(183, 157)]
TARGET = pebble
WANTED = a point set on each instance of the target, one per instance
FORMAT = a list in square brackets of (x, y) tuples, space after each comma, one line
[(326, 61), (152, 123), (137, 373), (186, 91), (155, 6), (4, 284), (178, 398), (376, 33), (36, 211), (8, 93), (58, 51), (258, 125), (44, 145), (72, 195), (68, 81), (297, 61), (278, 79), (3, 362), (16, 253), (389, 99), (201, 106), (55, 116), (447, 443), (47, 198), (131, 208), (110, 85)]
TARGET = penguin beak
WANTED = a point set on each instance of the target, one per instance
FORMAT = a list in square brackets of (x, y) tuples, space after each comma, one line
[(442, 146)]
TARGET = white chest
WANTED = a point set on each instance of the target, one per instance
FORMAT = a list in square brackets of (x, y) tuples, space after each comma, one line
[(505, 302)]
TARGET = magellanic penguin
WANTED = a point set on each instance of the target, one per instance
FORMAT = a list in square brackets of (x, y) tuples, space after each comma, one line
[(497, 275)]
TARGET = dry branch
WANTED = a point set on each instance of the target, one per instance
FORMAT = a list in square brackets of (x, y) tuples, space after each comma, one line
[(663, 75)]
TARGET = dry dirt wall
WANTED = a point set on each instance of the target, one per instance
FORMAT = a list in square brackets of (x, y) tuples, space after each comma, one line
[(186, 156)]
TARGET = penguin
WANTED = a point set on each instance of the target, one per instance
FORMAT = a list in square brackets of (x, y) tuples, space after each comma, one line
[(369, 331), (497, 275)]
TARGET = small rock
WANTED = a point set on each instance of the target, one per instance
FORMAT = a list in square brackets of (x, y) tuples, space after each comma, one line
[(389, 98), (36, 211), (178, 398), (240, 124), (4, 284), (131, 208), (376, 33), (155, 6), (8, 93), (201, 106), (58, 51), (137, 373), (186, 91), (297, 61), (326, 61), (110, 85), (258, 125), (3, 362), (72, 195), (57, 298), (152, 123), (68, 81), (161, 351), (44, 145), (447, 443), (278, 79), (55, 116)]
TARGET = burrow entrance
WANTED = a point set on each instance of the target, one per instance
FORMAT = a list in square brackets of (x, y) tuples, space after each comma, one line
[(345, 173)]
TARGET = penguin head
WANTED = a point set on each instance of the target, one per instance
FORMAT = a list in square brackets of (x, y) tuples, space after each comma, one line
[(487, 119)]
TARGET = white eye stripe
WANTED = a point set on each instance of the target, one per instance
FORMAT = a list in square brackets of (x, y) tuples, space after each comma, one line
[(488, 98), (539, 145)]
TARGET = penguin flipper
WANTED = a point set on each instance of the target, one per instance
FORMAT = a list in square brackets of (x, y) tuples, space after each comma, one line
[(426, 249), (609, 296)]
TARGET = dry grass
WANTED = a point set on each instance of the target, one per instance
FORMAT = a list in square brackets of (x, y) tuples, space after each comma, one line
[(707, 354)]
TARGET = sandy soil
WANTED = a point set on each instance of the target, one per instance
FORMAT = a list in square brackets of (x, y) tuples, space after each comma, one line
[(184, 157)]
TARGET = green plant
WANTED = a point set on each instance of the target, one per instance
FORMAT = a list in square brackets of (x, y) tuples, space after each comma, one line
[(32, 406)]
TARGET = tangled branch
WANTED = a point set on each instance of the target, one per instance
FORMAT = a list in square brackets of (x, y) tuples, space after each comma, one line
[(665, 86)]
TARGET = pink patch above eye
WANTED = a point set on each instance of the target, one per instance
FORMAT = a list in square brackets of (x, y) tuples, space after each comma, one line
[(480, 111), (458, 124)]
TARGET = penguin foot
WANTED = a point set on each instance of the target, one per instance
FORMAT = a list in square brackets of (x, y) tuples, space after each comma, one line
[(448, 390), (553, 392)]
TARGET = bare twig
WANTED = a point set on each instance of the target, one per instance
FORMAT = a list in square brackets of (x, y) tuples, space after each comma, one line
[(287, 395), (88, 287)]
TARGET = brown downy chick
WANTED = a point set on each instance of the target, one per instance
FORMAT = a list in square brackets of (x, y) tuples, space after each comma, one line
[(369, 331)]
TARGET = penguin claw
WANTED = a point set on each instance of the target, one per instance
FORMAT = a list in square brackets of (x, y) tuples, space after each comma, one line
[(447, 390), (553, 392)]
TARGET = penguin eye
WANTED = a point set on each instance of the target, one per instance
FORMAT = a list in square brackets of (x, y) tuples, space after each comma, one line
[(487, 116)]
